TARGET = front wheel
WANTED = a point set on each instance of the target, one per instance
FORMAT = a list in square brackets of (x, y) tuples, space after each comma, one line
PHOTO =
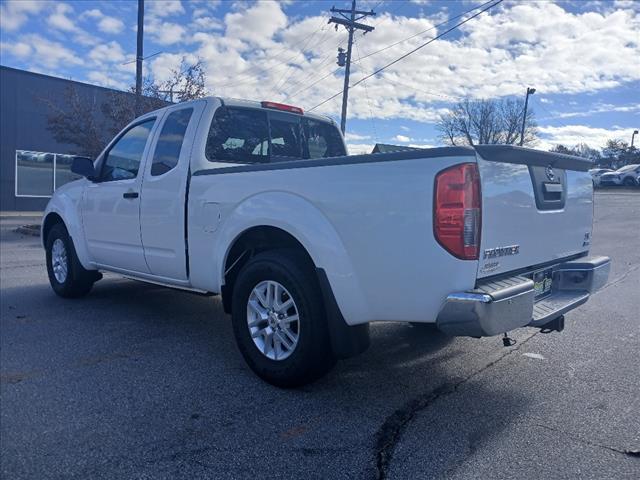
[(67, 276), (629, 182), (279, 320)]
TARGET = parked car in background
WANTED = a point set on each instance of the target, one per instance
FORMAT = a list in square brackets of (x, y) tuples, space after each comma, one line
[(627, 175), (596, 173)]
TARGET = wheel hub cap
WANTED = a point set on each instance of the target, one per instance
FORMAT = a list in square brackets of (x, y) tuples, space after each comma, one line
[(273, 321), (59, 263)]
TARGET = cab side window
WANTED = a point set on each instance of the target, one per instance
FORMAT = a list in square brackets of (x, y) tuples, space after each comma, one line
[(323, 140), (122, 161), (169, 144), (238, 135)]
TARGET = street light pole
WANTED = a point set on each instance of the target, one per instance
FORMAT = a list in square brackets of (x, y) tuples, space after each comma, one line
[(530, 91), (139, 56), (635, 132)]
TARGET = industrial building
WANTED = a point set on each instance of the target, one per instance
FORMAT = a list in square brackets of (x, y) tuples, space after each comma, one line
[(32, 163)]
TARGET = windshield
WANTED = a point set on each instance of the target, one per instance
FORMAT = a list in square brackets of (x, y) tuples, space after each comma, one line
[(247, 135), (626, 168)]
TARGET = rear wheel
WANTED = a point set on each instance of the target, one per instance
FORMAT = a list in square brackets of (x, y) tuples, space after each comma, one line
[(279, 320), (67, 276)]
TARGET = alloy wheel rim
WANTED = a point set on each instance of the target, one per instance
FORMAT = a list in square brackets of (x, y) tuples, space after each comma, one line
[(59, 263), (273, 320)]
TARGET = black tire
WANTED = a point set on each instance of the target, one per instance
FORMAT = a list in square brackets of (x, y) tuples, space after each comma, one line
[(78, 281), (312, 357), (629, 182)]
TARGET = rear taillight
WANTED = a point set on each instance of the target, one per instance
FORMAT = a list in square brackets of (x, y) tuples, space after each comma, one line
[(457, 210)]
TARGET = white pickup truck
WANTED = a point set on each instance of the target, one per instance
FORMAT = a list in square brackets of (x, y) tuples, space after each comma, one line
[(259, 202)]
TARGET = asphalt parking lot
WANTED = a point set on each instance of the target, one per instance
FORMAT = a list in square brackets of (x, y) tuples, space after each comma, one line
[(137, 381)]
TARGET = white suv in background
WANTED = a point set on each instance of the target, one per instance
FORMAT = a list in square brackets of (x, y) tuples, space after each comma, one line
[(626, 175), (596, 173)]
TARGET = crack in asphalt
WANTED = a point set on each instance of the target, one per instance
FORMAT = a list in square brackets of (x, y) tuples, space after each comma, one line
[(21, 267), (618, 279), (628, 452), (391, 431)]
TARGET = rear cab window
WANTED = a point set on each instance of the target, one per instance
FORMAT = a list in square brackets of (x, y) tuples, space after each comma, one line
[(244, 135)]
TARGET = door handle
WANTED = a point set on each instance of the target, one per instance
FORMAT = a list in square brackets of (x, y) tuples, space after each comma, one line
[(130, 195)]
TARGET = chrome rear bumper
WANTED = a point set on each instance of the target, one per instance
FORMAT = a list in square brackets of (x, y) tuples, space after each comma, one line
[(497, 306)]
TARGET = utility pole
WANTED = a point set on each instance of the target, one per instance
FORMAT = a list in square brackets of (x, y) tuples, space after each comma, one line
[(139, 56), (633, 136), (530, 91), (350, 22)]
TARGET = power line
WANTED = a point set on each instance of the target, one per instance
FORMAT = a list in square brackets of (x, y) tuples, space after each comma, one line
[(386, 48), (427, 30), (313, 71), (279, 64), (402, 57), (366, 91), (322, 26), (396, 4), (292, 95)]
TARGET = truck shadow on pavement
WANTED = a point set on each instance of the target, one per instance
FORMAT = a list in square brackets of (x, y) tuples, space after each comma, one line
[(172, 356)]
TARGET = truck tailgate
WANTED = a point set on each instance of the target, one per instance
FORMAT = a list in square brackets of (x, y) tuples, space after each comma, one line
[(537, 208)]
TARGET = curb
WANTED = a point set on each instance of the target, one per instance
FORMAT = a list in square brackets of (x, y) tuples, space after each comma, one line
[(32, 230)]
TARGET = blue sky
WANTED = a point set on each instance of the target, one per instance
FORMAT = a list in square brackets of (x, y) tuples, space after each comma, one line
[(581, 56)]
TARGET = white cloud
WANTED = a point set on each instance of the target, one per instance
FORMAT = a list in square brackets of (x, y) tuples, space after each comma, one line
[(422, 145), (402, 138), (110, 25), (105, 23), (598, 108), (107, 53), (570, 135), (359, 148), (207, 23), (257, 24), (165, 33), (43, 52), (14, 13), (19, 49), (58, 19), (93, 13), (106, 80), (164, 8), (354, 136)]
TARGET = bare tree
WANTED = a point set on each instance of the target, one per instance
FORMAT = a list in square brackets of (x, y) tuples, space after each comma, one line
[(75, 123), (88, 124), (580, 150), (187, 82), (473, 122), (617, 153)]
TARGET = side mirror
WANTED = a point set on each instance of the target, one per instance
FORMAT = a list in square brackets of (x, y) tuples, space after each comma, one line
[(84, 166)]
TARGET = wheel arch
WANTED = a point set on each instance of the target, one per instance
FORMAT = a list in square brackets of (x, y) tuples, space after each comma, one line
[(249, 242), (298, 223), (64, 207), (51, 219)]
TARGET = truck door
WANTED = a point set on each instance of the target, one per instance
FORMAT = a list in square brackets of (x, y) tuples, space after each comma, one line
[(164, 192), (111, 204)]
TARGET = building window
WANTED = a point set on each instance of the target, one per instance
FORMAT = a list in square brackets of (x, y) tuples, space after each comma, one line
[(38, 174)]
